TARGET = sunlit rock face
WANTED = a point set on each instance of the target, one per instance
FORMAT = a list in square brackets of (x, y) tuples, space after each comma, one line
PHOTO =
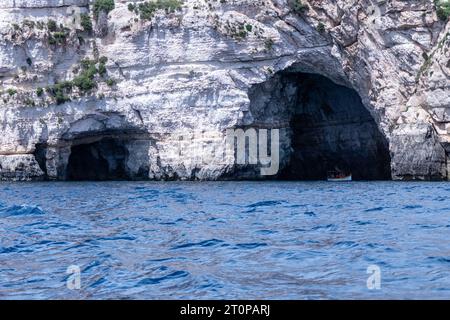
[(347, 83)]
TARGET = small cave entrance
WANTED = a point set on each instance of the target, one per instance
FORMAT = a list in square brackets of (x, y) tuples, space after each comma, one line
[(329, 128), (40, 155), (98, 161)]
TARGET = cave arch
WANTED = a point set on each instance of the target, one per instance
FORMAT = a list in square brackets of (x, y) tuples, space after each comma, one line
[(97, 147), (327, 126), (105, 156)]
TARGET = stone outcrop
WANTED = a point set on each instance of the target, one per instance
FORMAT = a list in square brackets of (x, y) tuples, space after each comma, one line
[(213, 65)]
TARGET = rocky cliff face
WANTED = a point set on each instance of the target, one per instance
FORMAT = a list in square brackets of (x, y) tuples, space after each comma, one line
[(121, 95)]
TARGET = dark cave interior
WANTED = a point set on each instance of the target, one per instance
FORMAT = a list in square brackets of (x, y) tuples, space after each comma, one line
[(333, 131), (330, 128), (98, 161)]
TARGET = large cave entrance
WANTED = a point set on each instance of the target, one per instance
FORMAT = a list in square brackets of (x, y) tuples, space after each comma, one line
[(329, 127), (98, 161)]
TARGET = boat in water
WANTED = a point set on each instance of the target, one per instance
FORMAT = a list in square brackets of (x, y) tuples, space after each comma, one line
[(338, 176)]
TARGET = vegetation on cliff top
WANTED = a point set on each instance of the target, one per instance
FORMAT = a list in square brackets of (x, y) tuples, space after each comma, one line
[(442, 9), (147, 9), (86, 22), (103, 5)]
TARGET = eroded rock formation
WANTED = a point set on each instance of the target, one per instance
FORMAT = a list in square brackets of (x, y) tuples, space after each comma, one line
[(378, 75)]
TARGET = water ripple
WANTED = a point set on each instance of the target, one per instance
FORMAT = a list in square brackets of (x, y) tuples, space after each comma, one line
[(224, 240), (21, 210), (249, 246), (203, 244), (171, 276)]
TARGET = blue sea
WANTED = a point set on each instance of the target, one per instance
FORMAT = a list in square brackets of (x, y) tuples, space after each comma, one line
[(225, 240)]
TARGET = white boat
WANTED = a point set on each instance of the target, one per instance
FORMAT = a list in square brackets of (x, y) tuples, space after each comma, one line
[(335, 176)]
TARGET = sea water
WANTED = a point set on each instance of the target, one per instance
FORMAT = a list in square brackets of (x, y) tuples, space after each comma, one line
[(225, 240)]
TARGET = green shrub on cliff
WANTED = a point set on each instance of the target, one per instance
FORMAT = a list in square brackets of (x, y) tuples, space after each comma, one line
[(321, 27), (103, 60), (60, 37), (111, 82), (39, 92), (103, 5), (59, 92), (268, 43), (57, 35), (61, 98), (147, 9), (102, 69), (51, 25), (442, 9), (298, 6), (86, 22), (85, 81), (11, 92)]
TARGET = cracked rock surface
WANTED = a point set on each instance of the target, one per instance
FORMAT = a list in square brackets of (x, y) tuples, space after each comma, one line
[(196, 70)]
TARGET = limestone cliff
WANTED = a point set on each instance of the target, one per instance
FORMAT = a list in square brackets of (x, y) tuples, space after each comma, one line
[(77, 79)]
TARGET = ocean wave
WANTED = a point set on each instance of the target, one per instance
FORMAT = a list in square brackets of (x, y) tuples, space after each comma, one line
[(205, 243), (248, 246), (268, 203), (374, 209), (21, 210), (171, 276)]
